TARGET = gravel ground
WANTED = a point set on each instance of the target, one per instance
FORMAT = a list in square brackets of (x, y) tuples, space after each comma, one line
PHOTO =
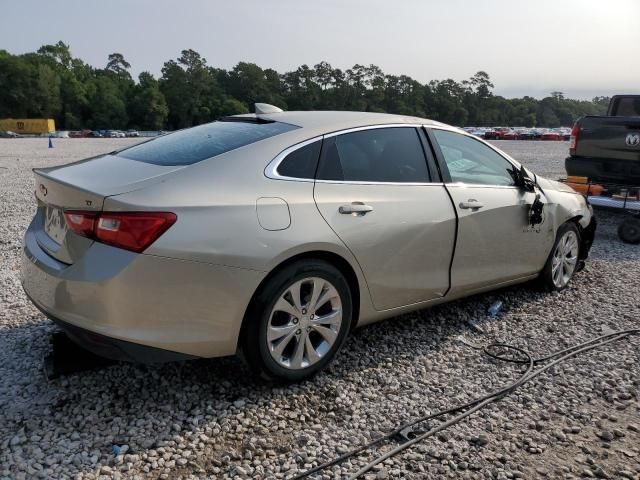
[(544, 158), (208, 419)]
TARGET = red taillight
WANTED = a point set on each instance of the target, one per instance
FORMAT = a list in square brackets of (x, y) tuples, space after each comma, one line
[(133, 231), (573, 140), (83, 223)]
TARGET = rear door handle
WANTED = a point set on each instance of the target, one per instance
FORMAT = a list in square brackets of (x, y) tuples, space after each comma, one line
[(471, 204), (355, 208)]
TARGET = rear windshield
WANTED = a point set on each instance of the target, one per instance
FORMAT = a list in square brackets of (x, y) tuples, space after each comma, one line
[(192, 145), (627, 107)]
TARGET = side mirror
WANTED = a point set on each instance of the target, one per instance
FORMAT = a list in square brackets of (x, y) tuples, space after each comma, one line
[(521, 179)]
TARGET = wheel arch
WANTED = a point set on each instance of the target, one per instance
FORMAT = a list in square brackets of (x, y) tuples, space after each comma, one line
[(332, 258), (587, 234)]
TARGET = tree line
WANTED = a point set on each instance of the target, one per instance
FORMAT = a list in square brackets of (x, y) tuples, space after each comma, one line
[(51, 83)]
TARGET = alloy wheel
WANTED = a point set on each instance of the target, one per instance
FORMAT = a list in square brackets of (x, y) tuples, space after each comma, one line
[(565, 258), (304, 323)]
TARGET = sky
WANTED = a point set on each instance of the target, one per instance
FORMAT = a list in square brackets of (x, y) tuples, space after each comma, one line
[(583, 48)]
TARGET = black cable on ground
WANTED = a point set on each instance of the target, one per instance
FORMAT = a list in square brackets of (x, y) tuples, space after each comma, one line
[(473, 405)]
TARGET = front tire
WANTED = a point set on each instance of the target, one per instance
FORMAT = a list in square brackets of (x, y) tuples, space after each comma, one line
[(563, 259), (298, 321)]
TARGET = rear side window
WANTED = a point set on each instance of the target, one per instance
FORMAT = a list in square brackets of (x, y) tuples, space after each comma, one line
[(376, 155), (301, 163), (192, 145)]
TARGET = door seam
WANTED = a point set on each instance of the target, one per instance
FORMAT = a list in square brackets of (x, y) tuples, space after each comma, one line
[(455, 240)]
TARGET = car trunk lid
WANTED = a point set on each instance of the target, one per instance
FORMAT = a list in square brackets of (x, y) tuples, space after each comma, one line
[(84, 186)]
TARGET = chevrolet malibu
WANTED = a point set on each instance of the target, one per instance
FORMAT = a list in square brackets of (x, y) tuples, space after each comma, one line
[(275, 234)]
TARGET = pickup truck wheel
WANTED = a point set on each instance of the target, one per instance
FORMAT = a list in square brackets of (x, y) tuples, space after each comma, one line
[(629, 230), (563, 259)]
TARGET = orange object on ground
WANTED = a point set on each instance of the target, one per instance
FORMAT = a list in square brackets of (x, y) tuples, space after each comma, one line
[(595, 190), (576, 179)]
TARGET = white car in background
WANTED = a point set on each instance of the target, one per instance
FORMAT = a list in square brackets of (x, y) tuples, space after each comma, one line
[(59, 134)]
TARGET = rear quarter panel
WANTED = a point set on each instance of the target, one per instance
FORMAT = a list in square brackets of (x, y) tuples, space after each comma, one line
[(215, 202)]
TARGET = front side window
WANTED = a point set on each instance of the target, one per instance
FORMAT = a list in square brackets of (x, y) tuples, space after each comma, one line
[(192, 145), (471, 161), (375, 155)]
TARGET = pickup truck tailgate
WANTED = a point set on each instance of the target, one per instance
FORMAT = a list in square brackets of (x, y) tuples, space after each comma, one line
[(609, 137)]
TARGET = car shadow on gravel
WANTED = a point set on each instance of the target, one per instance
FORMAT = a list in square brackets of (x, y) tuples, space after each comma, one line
[(146, 406)]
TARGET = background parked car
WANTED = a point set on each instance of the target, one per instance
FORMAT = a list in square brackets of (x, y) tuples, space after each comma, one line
[(79, 133), (59, 134), (607, 148), (528, 134), (551, 135), (491, 134), (9, 134), (509, 135)]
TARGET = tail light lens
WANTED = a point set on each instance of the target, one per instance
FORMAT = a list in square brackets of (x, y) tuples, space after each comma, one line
[(573, 140), (133, 231), (83, 223)]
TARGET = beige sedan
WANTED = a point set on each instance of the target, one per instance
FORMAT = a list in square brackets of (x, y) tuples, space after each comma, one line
[(277, 233)]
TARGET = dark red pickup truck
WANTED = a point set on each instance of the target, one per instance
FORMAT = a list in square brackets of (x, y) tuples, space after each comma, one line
[(607, 149)]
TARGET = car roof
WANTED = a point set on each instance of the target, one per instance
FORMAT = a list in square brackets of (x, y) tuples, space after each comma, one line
[(321, 122)]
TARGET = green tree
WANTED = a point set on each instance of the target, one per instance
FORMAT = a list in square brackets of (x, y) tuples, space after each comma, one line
[(117, 65), (191, 90), (60, 53), (147, 106), (53, 83), (14, 88), (107, 107)]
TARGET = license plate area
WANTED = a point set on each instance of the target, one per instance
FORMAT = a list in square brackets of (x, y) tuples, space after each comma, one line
[(54, 224)]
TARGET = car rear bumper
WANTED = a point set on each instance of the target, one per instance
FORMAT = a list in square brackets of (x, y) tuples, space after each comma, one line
[(182, 307), (604, 169), (113, 348)]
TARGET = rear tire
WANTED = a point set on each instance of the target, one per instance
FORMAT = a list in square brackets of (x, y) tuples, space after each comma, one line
[(629, 230), (298, 321), (563, 260)]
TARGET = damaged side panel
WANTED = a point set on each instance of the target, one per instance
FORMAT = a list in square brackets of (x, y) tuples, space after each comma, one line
[(564, 204), (496, 241)]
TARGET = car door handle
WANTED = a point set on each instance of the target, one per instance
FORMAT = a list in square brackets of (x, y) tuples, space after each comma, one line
[(355, 208), (471, 204)]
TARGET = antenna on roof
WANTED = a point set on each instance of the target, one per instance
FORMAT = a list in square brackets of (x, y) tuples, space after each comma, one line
[(264, 108)]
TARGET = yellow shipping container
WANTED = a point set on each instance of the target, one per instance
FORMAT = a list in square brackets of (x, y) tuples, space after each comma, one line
[(27, 125)]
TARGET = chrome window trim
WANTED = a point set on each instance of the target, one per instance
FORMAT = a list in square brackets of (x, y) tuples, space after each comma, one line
[(372, 127), (362, 182), (481, 185), (271, 171)]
